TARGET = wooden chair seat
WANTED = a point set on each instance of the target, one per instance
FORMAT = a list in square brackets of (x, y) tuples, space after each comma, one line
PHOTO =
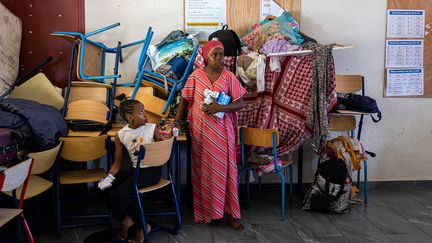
[(342, 123), (81, 176), (159, 185), (7, 214), (98, 94), (145, 83), (90, 84), (348, 112), (72, 133), (35, 186)]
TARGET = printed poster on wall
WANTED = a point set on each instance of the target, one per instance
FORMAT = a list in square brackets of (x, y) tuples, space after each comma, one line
[(405, 82), (407, 23), (204, 17), (404, 53)]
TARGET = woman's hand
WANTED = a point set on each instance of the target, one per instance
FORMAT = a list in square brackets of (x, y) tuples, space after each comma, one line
[(212, 108)]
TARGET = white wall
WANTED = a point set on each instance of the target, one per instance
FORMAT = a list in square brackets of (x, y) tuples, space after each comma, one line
[(402, 140)]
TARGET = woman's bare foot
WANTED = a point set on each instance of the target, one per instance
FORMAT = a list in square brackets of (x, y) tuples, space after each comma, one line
[(234, 223), (139, 237), (127, 222)]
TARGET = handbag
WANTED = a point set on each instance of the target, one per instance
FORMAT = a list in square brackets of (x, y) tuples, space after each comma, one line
[(8, 147)]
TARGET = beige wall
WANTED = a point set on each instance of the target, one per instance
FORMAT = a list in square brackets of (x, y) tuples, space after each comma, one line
[(402, 140)]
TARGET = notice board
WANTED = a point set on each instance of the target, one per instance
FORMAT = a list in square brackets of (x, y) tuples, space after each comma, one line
[(408, 60), (242, 14)]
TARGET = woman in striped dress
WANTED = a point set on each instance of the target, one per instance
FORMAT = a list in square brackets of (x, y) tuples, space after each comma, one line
[(214, 140)]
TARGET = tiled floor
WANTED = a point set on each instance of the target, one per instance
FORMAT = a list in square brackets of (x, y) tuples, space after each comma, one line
[(395, 214)]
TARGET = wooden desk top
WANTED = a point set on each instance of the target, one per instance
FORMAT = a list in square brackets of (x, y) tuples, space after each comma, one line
[(6, 214)]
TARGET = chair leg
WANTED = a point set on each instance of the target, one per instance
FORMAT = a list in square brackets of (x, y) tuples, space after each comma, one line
[(247, 186), (291, 178), (141, 212), (259, 184), (282, 196), (27, 229), (177, 208), (239, 178), (20, 236), (57, 212), (365, 182), (358, 179)]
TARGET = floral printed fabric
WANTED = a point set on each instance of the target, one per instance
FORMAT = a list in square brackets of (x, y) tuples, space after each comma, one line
[(280, 28)]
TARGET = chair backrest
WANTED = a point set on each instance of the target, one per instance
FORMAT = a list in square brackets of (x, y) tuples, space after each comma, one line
[(151, 103), (39, 88), (43, 161), (87, 110), (93, 60), (15, 176), (157, 153), (83, 149), (349, 83), (259, 136), (98, 94), (342, 123)]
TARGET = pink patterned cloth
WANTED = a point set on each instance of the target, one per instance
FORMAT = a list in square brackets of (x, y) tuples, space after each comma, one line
[(285, 103)]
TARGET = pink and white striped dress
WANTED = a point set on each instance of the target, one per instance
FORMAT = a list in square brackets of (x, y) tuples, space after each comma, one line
[(214, 143)]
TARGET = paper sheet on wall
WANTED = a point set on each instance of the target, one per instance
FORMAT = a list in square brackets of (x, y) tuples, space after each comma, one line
[(404, 53), (405, 23), (405, 82), (204, 17), (269, 7)]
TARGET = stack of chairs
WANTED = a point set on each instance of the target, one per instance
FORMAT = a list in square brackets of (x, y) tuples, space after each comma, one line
[(88, 103)]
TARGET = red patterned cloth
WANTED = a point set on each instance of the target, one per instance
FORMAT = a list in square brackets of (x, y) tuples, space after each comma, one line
[(214, 143), (285, 104)]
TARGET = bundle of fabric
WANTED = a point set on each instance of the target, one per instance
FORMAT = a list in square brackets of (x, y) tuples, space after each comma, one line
[(285, 104), (45, 122), (176, 44), (250, 69), (323, 92), (349, 149), (283, 27), (262, 163)]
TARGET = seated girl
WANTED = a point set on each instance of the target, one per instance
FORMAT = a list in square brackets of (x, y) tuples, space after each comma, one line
[(118, 185)]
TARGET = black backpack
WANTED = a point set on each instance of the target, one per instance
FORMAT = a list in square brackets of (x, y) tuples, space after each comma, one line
[(229, 39), (360, 103), (331, 188)]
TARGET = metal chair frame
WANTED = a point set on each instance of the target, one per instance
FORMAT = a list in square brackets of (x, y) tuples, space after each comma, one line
[(277, 170), (82, 40), (20, 201), (360, 126), (176, 213), (155, 78)]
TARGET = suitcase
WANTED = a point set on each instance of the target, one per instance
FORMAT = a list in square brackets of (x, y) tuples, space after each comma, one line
[(8, 147)]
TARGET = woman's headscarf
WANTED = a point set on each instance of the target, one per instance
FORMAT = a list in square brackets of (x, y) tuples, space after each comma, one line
[(210, 45)]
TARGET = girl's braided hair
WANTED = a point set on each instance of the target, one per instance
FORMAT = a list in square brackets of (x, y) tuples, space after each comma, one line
[(126, 105)]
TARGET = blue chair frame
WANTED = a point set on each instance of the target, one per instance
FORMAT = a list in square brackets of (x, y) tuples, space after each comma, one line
[(143, 215), (360, 126), (155, 78), (82, 40), (245, 167)]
